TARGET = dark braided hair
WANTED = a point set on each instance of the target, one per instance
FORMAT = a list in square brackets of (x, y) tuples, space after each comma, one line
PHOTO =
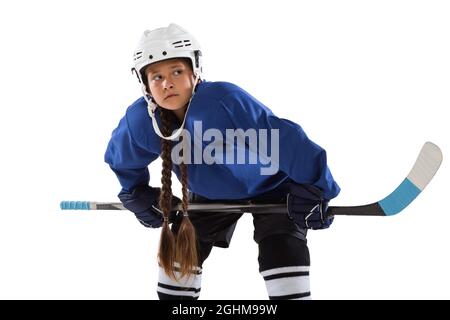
[(182, 247)]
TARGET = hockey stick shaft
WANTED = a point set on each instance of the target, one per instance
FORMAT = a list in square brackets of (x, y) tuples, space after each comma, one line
[(193, 207)]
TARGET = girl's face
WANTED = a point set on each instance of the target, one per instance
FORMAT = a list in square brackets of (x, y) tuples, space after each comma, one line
[(171, 83)]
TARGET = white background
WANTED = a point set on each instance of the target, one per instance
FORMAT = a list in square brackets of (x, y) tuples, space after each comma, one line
[(367, 80)]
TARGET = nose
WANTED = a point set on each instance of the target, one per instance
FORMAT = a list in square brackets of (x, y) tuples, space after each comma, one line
[(168, 84)]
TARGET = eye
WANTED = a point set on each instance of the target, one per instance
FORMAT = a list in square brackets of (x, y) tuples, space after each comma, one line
[(156, 78), (178, 72)]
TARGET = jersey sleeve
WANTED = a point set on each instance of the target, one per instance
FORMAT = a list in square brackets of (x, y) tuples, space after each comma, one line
[(300, 158), (128, 158)]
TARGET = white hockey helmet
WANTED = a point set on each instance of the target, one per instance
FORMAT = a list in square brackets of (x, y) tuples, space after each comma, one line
[(166, 43)]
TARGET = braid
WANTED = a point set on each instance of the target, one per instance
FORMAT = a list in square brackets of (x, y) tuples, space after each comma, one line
[(183, 248), (186, 245), (166, 253), (184, 191)]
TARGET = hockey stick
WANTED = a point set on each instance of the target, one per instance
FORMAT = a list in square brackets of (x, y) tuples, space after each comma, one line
[(423, 171)]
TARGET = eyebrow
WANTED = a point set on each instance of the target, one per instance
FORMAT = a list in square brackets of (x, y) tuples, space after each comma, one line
[(172, 67)]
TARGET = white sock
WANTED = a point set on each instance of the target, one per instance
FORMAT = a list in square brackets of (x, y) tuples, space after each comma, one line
[(185, 287), (290, 283)]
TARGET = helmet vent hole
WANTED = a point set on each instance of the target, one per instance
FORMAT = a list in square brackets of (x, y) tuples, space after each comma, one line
[(181, 43), (150, 57), (164, 53)]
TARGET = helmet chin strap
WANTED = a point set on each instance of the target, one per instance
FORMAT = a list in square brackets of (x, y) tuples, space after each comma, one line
[(151, 107)]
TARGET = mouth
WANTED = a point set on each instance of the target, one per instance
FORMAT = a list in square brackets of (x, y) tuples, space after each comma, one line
[(170, 96)]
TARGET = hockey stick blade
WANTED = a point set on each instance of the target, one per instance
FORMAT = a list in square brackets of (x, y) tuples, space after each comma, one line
[(424, 169)]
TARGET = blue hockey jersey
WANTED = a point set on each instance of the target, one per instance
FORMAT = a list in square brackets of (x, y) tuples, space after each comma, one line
[(222, 108)]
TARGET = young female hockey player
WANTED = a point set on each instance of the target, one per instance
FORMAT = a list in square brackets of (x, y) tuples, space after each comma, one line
[(177, 116)]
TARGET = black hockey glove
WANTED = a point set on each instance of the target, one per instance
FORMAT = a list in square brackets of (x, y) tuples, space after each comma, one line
[(307, 208), (143, 202)]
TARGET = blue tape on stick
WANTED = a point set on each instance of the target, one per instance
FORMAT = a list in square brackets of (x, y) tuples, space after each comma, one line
[(75, 205), (405, 193)]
